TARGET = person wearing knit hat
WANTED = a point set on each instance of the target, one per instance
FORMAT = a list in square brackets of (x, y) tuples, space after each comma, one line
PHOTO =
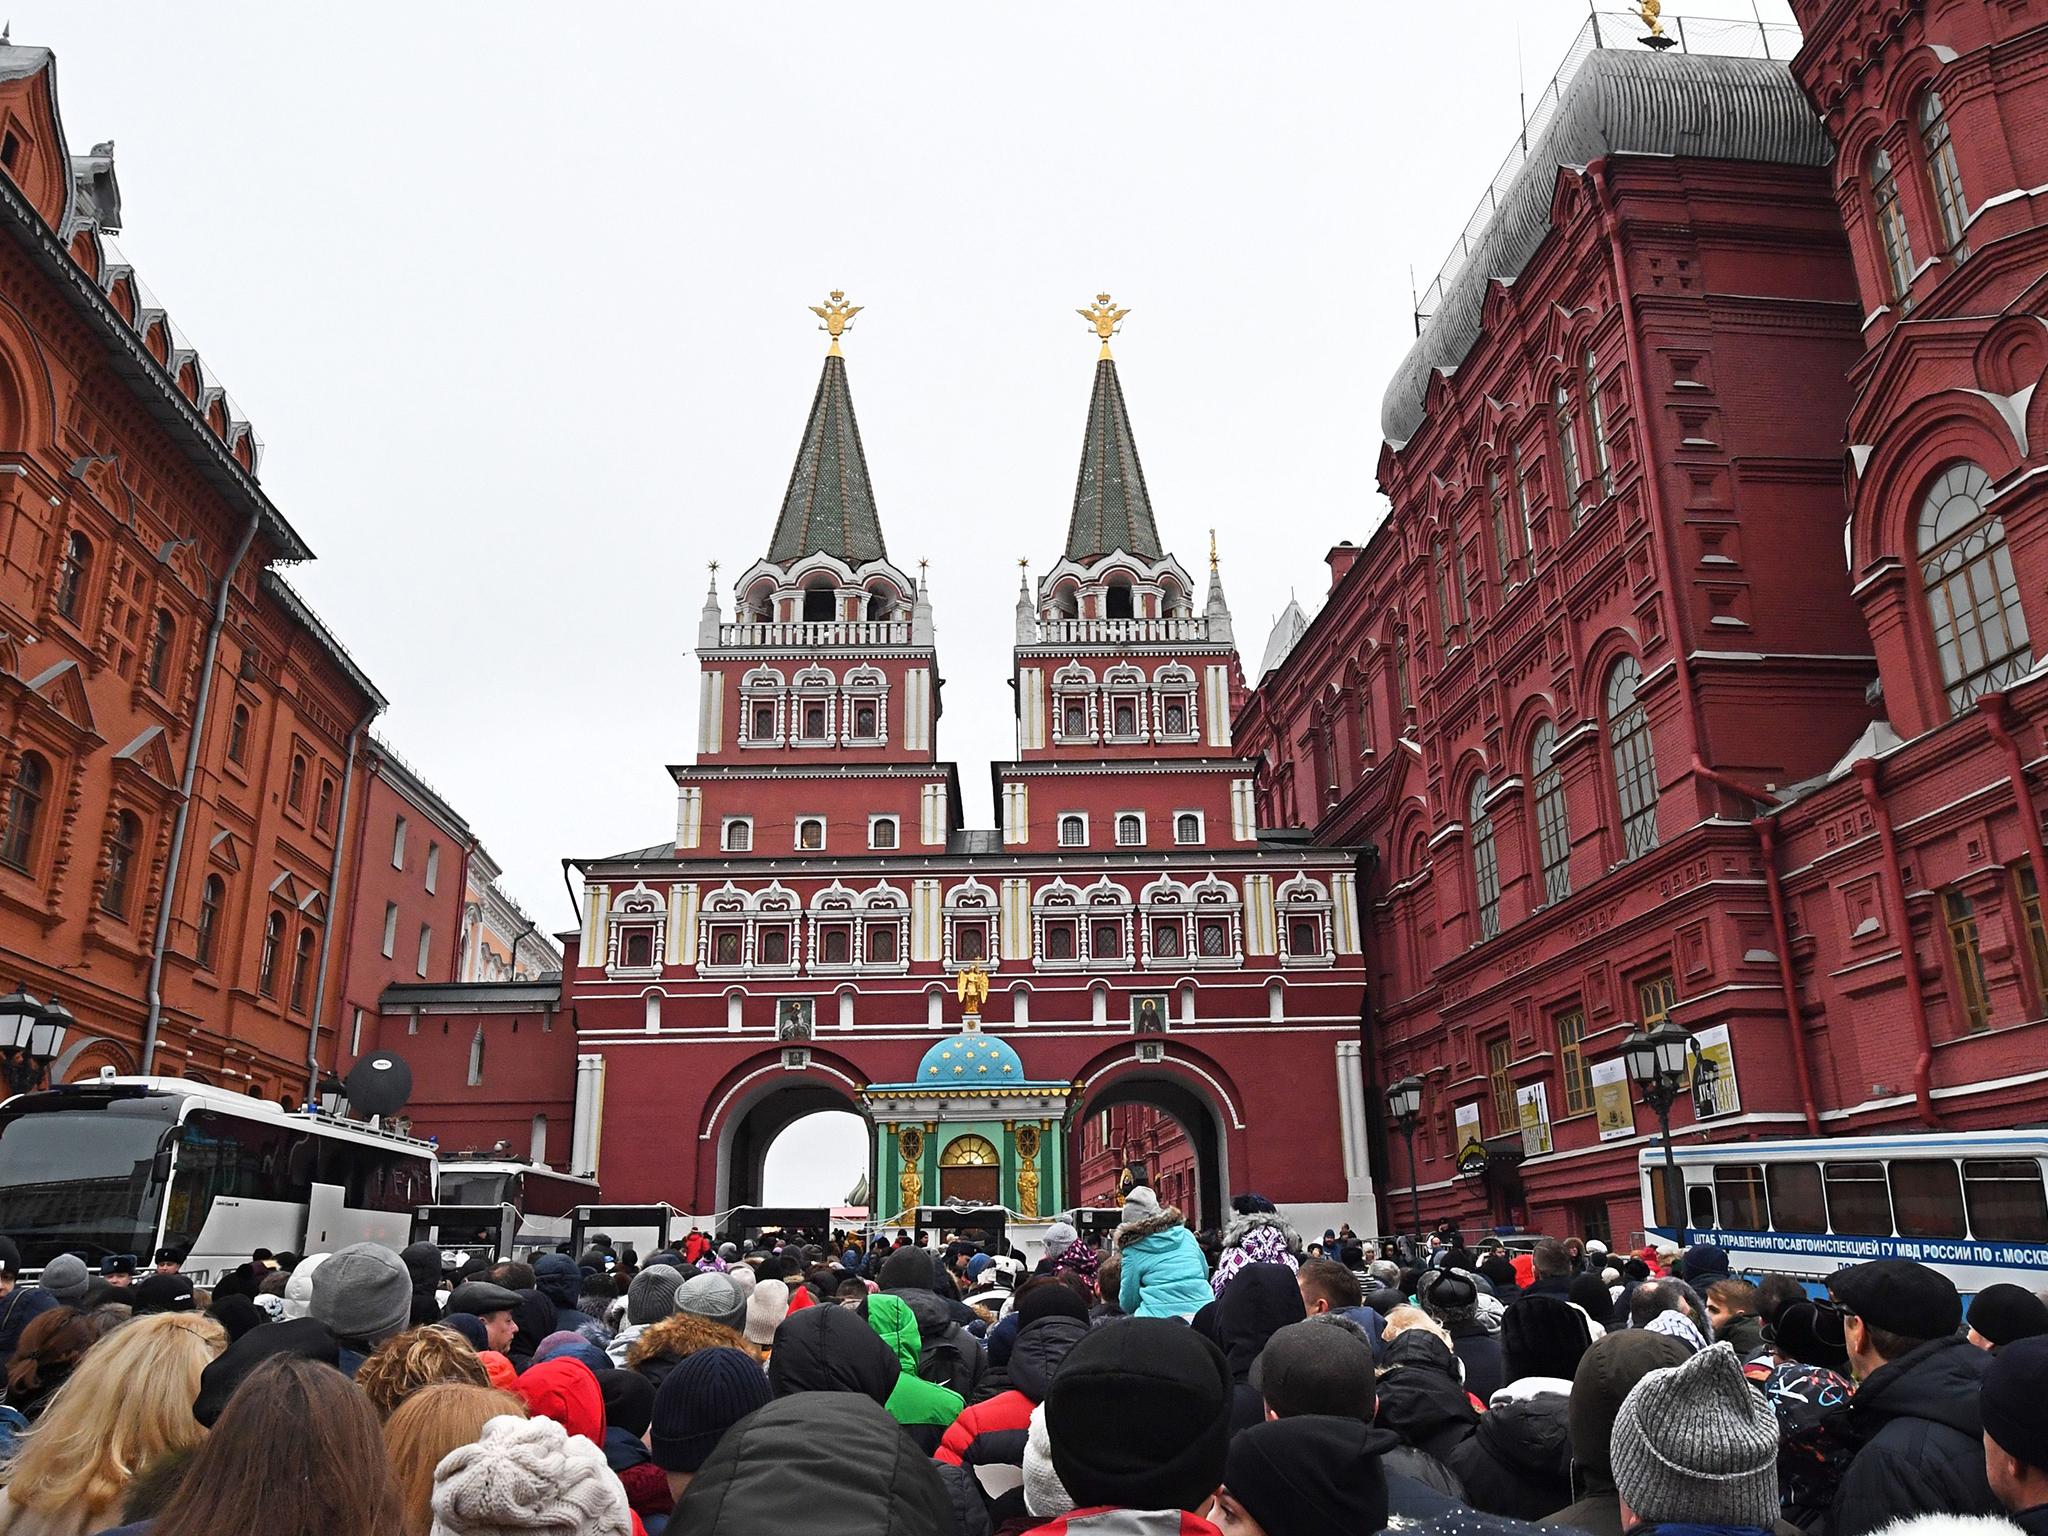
[(649, 1298), (1164, 1272), (306, 1337), (2016, 1432), (1045, 1497), (363, 1293), (298, 1289), (1307, 1476), (163, 1293), (1543, 1337), (1139, 1417), (699, 1401), (2005, 1314), (1452, 1299), (1313, 1367), (743, 1276), (528, 1475), (1059, 1237), (714, 1296), (1694, 1445), (566, 1391), (766, 1308), (66, 1278), (1606, 1374)]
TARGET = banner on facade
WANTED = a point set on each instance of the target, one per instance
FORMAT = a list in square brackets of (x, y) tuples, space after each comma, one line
[(1471, 1145), (1613, 1105), (1713, 1075), (1532, 1108)]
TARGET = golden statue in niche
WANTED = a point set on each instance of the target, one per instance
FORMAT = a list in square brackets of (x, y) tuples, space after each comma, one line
[(910, 1185), (1027, 1171), (973, 988)]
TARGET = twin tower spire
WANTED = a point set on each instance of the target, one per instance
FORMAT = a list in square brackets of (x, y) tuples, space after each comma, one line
[(830, 504)]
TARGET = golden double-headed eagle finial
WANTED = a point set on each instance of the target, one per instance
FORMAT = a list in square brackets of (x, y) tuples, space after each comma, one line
[(837, 315), (1105, 317), (1649, 11)]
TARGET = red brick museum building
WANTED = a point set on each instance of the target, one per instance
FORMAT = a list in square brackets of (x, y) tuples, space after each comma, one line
[(1691, 674)]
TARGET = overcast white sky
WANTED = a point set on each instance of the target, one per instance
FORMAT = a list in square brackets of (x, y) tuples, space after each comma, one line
[(516, 295)]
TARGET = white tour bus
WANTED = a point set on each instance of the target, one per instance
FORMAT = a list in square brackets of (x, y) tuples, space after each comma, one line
[(1971, 1204), (131, 1164), (544, 1198)]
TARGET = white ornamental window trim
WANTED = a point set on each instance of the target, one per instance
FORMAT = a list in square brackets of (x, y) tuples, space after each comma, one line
[(1106, 902), (1214, 900), (1058, 902), (709, 926), (725, 826), (1169, 684), (895, 824), (757, 924), (831, 908), (898, 920), (639, 909), (971, 902), (864, 685), (801, 704), (1135, 696), (1167, 900), (1300, 898), (1091, 733), (763, 685)]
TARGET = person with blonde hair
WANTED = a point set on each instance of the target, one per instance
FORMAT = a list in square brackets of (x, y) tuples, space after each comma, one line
[(128, 1402), (428, 1425), (419, 1357)]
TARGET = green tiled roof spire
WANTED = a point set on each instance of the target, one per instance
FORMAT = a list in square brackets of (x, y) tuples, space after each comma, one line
[(830, 504), (1111, 508)]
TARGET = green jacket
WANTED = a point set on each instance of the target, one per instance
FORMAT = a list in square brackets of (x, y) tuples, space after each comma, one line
[(914, 1400)]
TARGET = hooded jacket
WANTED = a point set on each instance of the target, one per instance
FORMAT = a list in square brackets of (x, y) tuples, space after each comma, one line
[(923, 1407), (947, 1353), (1518, 1462), (1921, 1440), (556, 1277), (534, 1318), (1262, 1237), (832, 1349), (1420, 1398), (828, 1456), (1260, 1300), (1164, 1272), (1605, 1376), (422, 1261), (988, 1439)]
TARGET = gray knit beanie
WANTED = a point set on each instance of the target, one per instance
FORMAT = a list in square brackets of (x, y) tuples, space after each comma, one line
[(363, 1293), (1059, 1237), (65, 1278), (714, 1296), (1140, 1205), (1694, 1443), (652, 1295)]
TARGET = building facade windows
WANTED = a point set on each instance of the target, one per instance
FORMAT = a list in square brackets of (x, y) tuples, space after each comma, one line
[(1503, 539), (1633, 756), (238, 735), (1966, 960), (1656, 996), (1485, 858), (1951, 208), (1571, 1060), (1304, 911), (390, 929), (1173, 704), (810, 834), (433, 874), (1501, 1085), (426, 949), (398, 843), (295, 783), (1073, 831), (1187, 827), (737, 834), (1073, 694), (266, 964), (1973, 598), (1567, 449), (74, 574), (1895, 243), (302, 970), (2028, 892), (1130, 830), (323, 807), (1553, 826), (212, 897), (124, 841), (25, 799), (1596, 421), (162, 635), (883, 831), (1446, 619)]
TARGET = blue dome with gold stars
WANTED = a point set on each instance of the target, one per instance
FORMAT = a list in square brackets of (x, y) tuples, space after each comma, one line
[(969, 1061)]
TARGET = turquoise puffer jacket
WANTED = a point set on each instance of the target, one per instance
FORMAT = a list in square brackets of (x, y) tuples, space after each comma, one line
[(1165, 1273)]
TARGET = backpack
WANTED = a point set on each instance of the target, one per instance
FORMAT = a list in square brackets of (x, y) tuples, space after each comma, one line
[(953, 1358)]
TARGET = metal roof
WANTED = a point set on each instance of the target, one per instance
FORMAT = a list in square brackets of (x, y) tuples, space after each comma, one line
[(830, 504), (324, 637), (1698, 106), (1112, 509)]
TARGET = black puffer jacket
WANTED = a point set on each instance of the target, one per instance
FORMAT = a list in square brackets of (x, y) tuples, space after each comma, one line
[(832, 1349), (1420, 1399), (1921, 1440), (987, 1441), (1519, 1461), (422, 1262), (556, 1277), (1259, 1301), (832, 1452)]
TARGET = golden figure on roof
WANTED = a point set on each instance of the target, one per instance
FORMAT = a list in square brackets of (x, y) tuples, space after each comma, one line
[(1649, 11), (973, 985), (837, 315), (1105, 317)]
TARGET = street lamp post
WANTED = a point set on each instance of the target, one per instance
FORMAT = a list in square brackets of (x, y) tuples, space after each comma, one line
[(32, 1036), (1657, 1060), (1404, 1108)]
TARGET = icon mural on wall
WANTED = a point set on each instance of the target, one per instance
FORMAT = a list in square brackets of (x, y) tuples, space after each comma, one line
[(1613, 1107), (796, 1018), (1714, 1091), (1148, 1013), (1532, 1110)]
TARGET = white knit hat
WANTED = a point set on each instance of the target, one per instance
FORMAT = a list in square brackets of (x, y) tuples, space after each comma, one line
[(298, 1291), (528, 1475), (1044, 1495), (766, 1308)]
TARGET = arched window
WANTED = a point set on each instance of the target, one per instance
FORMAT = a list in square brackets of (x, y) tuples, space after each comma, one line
[(1445, 616), (295, 783), (123, 842), (1980, 630), (739, 835), (638, 950), (1553, 827), (302, 970), (1118, 603), (881, 941), (1890, 218), (1187, 828), (1949, 204), (323, 815), (211, 897), (1401, 693), (73, 575), (821, 603), (1485, 860), (1596, 419), (158, 671), (266, 966), (1130, 830), (1073, 832), (774, 946), (1503, 538), (1635, 763), (24, 811), (1567, 449), (238, 735)]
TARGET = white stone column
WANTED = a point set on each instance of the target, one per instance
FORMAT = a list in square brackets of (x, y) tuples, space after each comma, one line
[(585, 1133)]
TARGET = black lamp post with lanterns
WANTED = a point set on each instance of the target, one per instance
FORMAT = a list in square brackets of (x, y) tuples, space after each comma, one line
[(1404, 1108), (32, 1036), (1658, 1061)]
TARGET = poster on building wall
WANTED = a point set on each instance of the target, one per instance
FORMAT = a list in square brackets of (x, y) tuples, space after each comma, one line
[(1713, 1075), (1613, 1105), (1471, 1145), (1532, 1109)]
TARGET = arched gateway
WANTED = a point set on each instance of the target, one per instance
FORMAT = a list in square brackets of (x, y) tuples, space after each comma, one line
[(822, 932)]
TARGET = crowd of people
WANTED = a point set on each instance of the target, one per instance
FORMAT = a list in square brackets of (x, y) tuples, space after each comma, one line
[(1257, 1384)]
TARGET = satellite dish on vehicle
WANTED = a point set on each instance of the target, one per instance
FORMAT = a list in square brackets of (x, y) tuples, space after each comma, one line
[(379, 1084)]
